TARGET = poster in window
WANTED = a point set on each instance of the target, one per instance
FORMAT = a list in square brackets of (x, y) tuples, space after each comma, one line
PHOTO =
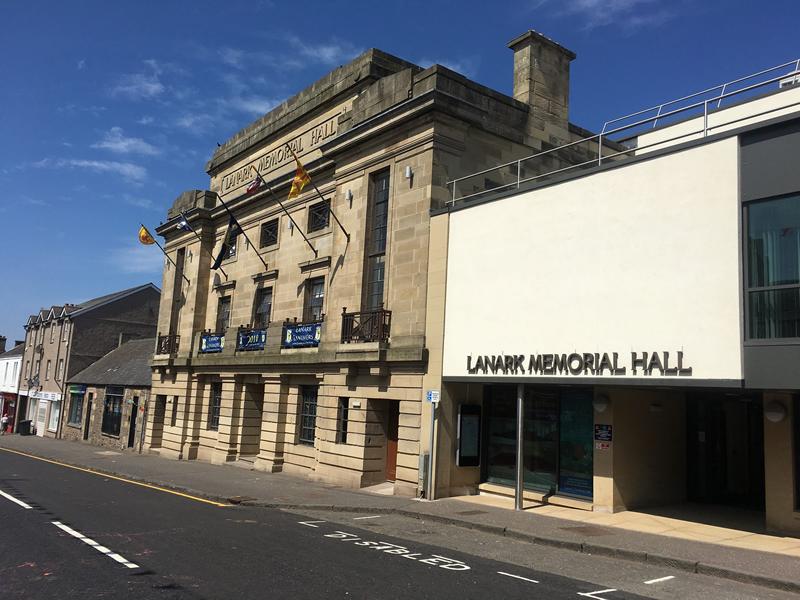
[(468, 453)]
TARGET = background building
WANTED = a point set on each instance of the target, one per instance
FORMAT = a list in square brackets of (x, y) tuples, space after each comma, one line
[(642, 319), (308, 354), (63, 340), (10, 368), (107, 401)]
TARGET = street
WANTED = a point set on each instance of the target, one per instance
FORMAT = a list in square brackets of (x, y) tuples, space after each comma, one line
[(66, 533)]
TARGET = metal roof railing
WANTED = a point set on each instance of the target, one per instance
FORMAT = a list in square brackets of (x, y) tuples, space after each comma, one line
[(603, 147)]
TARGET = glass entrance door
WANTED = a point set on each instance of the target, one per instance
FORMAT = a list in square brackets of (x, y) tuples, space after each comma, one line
[(540, 449)]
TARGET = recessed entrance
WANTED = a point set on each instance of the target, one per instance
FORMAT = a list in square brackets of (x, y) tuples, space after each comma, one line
[(725, 437), (392, 421)]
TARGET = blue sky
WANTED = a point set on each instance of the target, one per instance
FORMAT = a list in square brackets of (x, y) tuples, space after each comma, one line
[(108, 110)]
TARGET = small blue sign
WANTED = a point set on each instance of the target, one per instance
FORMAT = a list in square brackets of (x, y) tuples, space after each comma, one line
[(252, 339), (301, 336), (211, 342)]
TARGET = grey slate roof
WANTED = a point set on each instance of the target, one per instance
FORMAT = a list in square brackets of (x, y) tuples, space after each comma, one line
[(128, 365), (17, 350), (75, 309)]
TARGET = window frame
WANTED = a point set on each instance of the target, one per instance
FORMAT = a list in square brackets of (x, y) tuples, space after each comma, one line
[(315, 217), (746, 266), (307, 403), (342, 419), (217, 322), (214, 405), (376, 241), (112, 419), (309, 298), (261, 242), (75, 406), (60, 369), (47, 370), (262, 291)]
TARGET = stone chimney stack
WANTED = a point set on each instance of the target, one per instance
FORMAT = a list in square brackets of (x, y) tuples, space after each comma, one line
[(2, 344), (541, 80)]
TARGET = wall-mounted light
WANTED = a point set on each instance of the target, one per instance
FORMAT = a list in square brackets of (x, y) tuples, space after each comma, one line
[(600, 403), (409, 173), (348, 195), (775, 412)]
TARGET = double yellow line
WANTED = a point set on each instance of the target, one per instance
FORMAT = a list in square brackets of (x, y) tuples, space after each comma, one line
[(107, 476)]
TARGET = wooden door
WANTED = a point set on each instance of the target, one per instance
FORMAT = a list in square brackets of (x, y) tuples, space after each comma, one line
[(391, 440)]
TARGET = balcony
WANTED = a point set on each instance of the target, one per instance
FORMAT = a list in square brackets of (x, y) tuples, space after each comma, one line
[(301, 335), (211, 343), (168, 344), (249, 339), (366, 326)]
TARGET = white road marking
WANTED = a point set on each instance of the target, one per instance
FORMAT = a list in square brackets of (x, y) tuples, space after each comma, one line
[(372, 517), (310, 523), (14, 500), (95, 545), (659, 580), (593, 594), (516, 576)]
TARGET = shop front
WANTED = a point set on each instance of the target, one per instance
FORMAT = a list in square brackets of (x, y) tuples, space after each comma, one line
[(556, 439)]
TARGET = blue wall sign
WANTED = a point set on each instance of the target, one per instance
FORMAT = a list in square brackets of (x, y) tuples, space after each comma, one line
[(252, 339), (211, 342), (301, 336)]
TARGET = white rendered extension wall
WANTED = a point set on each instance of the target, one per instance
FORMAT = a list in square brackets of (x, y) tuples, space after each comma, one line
[(644, 257)]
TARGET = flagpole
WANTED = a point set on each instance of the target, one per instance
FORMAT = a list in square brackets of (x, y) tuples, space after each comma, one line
[(155, 241), (330, 210), (185, 220), (314, 250), (261, 258)]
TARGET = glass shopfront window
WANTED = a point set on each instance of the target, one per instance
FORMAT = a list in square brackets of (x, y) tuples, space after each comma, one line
[(557, 439)]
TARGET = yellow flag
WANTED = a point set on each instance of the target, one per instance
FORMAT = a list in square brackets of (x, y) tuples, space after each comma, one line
[(301, 179), (145, 237)]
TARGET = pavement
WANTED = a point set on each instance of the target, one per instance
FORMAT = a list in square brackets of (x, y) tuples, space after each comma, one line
[(232, 484)]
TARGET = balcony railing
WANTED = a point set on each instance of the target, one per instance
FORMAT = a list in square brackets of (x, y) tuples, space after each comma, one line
[(366, 326), (301, 335), (168, 344)]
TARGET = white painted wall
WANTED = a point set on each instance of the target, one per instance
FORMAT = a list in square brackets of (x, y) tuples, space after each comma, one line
[(762, 109), (639, 258), (9, 375)]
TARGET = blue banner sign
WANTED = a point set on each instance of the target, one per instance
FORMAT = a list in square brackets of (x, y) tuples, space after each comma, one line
[(211, 342), (301, 335), (77, 389), (252, 339)]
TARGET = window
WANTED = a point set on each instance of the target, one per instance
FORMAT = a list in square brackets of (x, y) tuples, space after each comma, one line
[(773, 268), (60, 369), (341, 420), (65, 331), (174, 418), (52, 331), (269, 233), (262, 308), (319, 215), (315, 295), (55, 415), (47, 371), (308, 414), (38, 367), (5, 377), (14, 376), (75, 409), (223, 314), (215, 405), (376, 241), (112, 410)]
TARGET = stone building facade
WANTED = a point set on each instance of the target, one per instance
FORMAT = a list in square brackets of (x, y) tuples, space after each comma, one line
[(307, 351), (63, 340), (10, 362), (107, 402)]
